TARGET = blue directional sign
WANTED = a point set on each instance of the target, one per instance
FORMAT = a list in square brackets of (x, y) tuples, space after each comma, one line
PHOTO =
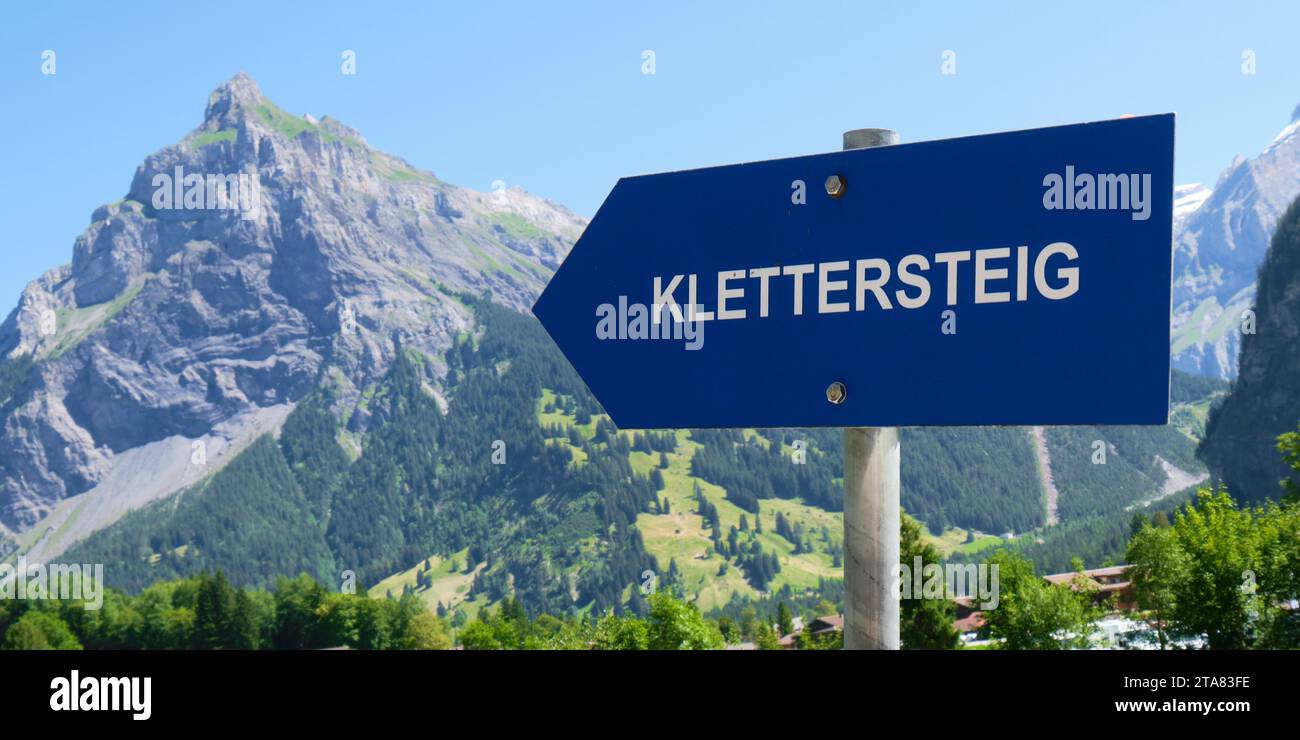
[(1012, 278)]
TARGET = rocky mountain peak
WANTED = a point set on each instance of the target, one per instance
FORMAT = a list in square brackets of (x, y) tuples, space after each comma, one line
[(263, 255), (231, 98), (1218, 246)]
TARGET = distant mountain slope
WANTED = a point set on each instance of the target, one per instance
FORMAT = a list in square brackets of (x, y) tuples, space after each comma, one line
[(191, 325), (576, 512), (321, 383), (1241, 433), (555, 532), (1218, 247), (1188, 199)]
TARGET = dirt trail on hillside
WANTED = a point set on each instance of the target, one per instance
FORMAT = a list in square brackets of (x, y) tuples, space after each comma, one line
[(1176, 478), (1045, 468)]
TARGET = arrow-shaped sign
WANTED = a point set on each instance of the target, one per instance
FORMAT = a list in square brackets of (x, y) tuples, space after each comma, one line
[(1013, 278)]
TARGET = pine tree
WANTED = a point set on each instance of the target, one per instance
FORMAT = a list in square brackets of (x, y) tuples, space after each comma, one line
[(242, 632), (213, 609), (784, 619), (926, 624)]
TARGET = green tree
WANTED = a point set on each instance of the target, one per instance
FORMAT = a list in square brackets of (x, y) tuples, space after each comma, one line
[(825, 608), (426, 632), (784, 619), (175, 628), (479, 635), (549, 632), (622, 633), (924, 624), (296, 603), (39, 630), (749, 623), (214, 613), (1289, 445), (728, 629), (374, 620), (1222, 549), (677, 625), (827, 641), (1277, 577), (765, 638), (1158, 567), (501, 631), (1033, 614), (242, 629)]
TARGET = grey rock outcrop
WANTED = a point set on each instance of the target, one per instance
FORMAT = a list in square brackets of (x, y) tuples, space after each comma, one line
[(1218, 248), (1240, 445), (173, 320)]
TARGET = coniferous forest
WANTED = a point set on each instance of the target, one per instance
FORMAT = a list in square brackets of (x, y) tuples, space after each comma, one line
[(543, 517), (482, 476)]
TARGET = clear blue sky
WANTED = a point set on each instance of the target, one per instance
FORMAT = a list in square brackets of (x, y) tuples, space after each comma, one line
[(551, 97)]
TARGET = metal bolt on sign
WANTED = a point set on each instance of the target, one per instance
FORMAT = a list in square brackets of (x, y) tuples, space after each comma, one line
[(835, 186), (836, 393)]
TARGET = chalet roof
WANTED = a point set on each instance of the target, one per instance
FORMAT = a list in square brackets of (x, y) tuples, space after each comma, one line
[(1095, 573), (828, 623)]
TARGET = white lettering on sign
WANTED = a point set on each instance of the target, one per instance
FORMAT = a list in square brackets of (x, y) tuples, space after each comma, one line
[(996, 275)]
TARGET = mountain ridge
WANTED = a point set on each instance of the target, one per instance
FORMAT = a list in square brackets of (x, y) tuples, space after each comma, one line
[(1241, 432), (181, 333), (172, 322), (1218, 247)]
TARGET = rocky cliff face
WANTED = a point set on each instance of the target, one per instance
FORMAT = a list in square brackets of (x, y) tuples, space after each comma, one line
[(1218, 248), (1241, 434), (260, 256)]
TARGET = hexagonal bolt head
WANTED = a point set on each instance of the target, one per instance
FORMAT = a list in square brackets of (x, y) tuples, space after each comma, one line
[(835, 186), (836, 393)]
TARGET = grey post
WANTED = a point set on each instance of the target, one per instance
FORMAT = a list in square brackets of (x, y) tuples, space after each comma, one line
[(871, 509)]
